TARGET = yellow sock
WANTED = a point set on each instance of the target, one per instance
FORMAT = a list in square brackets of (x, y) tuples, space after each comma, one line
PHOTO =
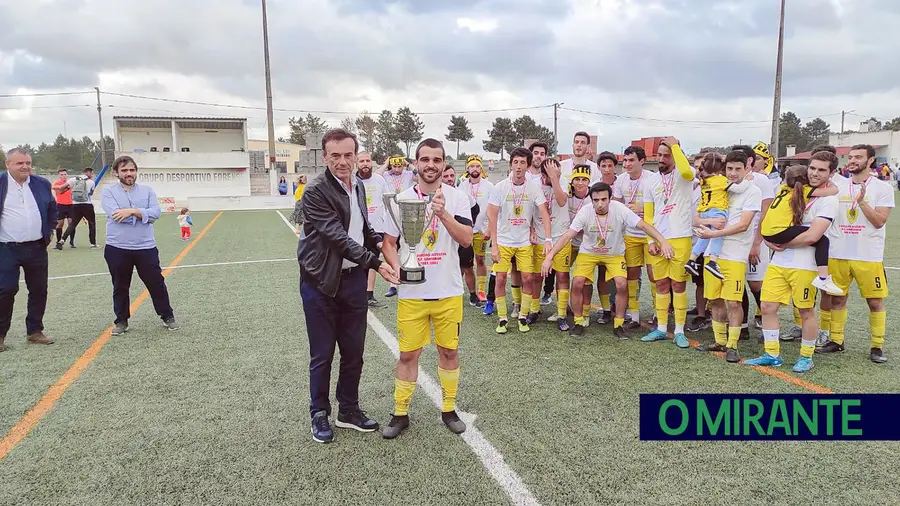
[(579, 320), (500, 306), (825, 319), (481, 283), (772, 346), (681, 306), (449, 383), (719, 330), (586, 311), (535, 303), (807, 348), (526, 306), (797, 319), (838, 322), (562, 301), (877, 321), (653, 290), (517, 295), (662, 311), (734, 335), (633, 304), (604, 302), (403, 392), (618, 322)]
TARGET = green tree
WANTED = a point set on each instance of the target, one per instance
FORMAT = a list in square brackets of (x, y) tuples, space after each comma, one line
[(789, 132), (893, 124), (874, 124), (302, 126), (385, 137), (458, 131), (349, 125), (367, 128), (408, 127), (815, 132), (526, 128), (501, 137)]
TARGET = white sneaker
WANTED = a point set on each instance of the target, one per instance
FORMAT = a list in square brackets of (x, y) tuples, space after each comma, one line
[(822, 338), (515, 312), (552, 318), (827, 285)]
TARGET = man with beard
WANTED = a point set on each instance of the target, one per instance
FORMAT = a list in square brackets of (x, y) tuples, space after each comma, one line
[(607, 162), (376, 187), (131, 209), (510, 210), (793, 267), (631, 188), (435, 305), (466, 253), (857, 249), (581, 142), (398, 179), (539, 153), (672, 211), (557, 200), (479, 190)]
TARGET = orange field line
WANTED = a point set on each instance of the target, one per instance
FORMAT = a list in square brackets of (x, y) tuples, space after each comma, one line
[(769, 371), (34, 415)]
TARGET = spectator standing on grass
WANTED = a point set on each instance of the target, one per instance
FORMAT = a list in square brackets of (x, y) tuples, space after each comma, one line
[(63, 192), (28, 216), (81, 188), (336, 249), (131, 209)]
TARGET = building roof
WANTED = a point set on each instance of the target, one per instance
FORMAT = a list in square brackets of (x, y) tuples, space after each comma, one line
[(841, 151), (209, 123)]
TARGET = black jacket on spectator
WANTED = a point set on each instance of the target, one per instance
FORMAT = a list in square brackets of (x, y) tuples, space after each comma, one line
[(324, 242)]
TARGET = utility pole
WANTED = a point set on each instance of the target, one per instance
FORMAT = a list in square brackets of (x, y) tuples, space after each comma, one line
[(102, 137), (272, 170), (776, 108), (555, 123), (842, 123)]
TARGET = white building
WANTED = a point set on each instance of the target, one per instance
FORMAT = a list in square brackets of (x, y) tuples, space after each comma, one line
[(187, 158), (885, 142)]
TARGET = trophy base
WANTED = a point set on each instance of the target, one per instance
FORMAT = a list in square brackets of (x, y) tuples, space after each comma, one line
[(412, 276)]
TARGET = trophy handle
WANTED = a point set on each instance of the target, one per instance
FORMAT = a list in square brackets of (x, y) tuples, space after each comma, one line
[(390, 198)]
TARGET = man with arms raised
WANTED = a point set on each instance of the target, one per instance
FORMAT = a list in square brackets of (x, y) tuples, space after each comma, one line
[(857, 248), (510, 209), (793, 267), (437, 304), (670, 202), (479, 189), (558, 201), (725, 295), (631, 188), (398, 178), (375, 187), (603, 225)]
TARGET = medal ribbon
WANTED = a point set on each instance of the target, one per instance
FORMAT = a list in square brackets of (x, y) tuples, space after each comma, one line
[(668, 185), (518, 197), (580, 205), (397, 182), (602, 230), (634, 188), (474, 190), (853, 203)]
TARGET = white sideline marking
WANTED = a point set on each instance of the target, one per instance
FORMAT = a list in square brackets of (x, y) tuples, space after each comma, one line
[(288, 223), (240, 262), (490, 457), (892, 268)]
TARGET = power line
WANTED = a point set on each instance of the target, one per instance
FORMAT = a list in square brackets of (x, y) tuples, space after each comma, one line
[(52, 94), (659, 120), (44, 107)]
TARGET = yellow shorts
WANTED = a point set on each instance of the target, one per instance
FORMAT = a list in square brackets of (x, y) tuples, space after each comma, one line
[(782, 285), (415, 317), (562, 261), (587, 262), (732, 287), (637, 251), (521, 255), (479, 244), (869, 276), (672, 268)]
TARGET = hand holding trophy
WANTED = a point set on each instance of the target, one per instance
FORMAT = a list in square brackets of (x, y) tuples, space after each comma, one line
[(411, 223)]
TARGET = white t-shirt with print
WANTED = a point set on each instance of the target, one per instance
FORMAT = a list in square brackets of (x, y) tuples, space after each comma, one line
[(517, 207), (375, 189), (672, 197), (633, 191), (805, 258), (397, 184), (481, 192), (436, 251), (737, 247), (852, 236), (604, 235), (559, 217)]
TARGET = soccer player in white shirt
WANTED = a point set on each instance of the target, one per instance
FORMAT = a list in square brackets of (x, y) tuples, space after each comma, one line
[(375, 188), (726, 295), (478, 188), (557, 199), (437, 304), (857, 249), (603, 225), (631, 188), (510, 210), (672, 211), (581, 144), (793, 269), (398, 178)]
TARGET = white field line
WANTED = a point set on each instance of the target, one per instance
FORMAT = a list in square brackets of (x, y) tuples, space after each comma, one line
[(288, 223), (217, 264), (490, 457)]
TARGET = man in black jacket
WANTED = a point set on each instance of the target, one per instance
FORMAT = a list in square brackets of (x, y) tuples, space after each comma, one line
[(337, 248)]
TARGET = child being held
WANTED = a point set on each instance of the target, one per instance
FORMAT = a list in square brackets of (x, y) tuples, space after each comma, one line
[(783, 221), (184, 220), (714, 189)]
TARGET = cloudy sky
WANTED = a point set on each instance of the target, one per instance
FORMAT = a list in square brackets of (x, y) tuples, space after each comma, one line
[(632, 68)]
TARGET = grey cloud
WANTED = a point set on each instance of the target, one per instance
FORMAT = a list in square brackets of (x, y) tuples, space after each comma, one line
[(45, 74)]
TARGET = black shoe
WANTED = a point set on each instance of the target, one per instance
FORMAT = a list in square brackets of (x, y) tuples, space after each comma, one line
[(692, 267), (170, 323), (356, 420), (692, 311), (576, 330), (452, 421), (532, 318), (321, 429), (374, 304), (631, 325), (619, 332), (830, 347), (605, 317), (397, 425), (713, 269), (59, 245), (713, 346), (562, 325), (732, 356), (474, 301), (698, 323), (877, 355), (119, 329), (745, 334)]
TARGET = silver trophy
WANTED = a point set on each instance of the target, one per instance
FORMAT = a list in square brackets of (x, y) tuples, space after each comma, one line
[(411, 224)]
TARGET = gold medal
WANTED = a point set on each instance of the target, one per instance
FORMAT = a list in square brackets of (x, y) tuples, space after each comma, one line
[(852, 214), (517, 210), (430, 239), (601, 242)]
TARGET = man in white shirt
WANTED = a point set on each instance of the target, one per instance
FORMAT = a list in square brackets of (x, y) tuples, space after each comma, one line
[(792, 270), (398, 177), (857, 250), (581, 144), (437, 304), (725, 295), (557, 200), (478, 189), (375, 189)]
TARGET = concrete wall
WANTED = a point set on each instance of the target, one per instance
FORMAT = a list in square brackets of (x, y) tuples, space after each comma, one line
[(201, 141), (188, 183), (131, 139), (891, 140)]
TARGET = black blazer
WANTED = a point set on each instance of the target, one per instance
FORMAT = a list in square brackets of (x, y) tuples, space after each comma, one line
[(43, 195), (324, 242)]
